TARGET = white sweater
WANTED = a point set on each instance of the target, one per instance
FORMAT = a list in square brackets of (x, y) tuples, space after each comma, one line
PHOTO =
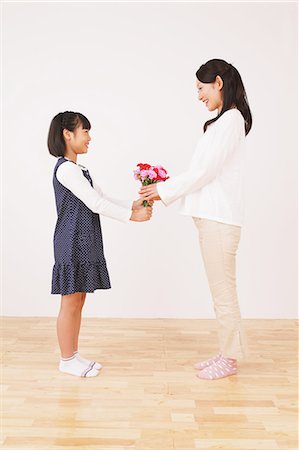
[(70, 175), (212, 186)]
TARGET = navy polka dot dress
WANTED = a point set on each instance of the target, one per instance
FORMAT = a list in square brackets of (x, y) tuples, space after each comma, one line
[(80, 264)]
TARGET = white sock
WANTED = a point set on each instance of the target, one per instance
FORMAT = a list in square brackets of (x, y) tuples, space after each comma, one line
[(97, 366), (74, 367)]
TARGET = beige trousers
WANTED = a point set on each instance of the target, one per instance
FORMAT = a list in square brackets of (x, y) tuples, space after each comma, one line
[(219, 245)]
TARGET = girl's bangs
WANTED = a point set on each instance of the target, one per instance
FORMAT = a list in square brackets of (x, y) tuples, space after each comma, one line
[(82, 120)]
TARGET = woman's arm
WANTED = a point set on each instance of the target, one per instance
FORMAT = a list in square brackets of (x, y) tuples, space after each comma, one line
[(215, 153)]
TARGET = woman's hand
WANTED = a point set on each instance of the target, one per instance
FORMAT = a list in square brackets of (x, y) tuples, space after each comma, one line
[(149, 192)]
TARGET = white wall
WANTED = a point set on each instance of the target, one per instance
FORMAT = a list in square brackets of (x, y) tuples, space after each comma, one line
[(130, 68)]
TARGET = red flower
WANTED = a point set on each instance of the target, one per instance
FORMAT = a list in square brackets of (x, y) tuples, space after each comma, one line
[(144, 166), (158, 172), (162, 178)]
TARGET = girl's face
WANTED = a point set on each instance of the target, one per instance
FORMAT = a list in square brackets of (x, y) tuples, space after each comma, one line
[(77, 141), (211, 94)]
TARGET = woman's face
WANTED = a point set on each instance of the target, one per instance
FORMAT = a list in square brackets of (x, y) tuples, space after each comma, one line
[(211, 94)]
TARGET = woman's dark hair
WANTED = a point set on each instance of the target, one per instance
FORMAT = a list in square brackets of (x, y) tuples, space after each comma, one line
[(233, 89), (68, 120)]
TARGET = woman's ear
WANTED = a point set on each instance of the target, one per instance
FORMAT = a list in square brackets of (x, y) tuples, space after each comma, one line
[(219, 83)]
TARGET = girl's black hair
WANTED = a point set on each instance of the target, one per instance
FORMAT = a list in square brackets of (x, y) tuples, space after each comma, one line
[(233, 89), (68, 120)]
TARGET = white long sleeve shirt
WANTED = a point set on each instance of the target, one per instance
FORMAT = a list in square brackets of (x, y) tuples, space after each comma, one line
[(212, 186), (70, 175)]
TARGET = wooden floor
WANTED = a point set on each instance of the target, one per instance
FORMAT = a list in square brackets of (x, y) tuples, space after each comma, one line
[(147, 395)]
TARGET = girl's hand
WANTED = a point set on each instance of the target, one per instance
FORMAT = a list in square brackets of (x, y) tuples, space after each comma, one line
[(138, 204), (149, 192), (142, 215)]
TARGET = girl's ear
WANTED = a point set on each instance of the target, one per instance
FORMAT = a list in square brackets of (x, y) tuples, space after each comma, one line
[(218, 83), (66, 134)]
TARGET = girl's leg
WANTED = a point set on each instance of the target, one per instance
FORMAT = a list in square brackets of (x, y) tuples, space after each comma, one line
[(219, 244), (67, 322), (78, 323), (96, 365)]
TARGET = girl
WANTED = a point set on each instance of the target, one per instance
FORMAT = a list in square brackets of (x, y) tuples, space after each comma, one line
[(211, 192), (80, 265)]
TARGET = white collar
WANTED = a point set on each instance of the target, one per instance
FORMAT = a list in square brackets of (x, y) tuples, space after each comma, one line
[(79, 165)]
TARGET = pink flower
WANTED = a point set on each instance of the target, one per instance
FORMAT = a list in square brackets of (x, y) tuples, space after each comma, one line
[(137, 174), (152, 174), (143, 174), (162, 173)]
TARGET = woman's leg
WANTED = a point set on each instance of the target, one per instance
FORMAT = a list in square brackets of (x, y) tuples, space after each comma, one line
[(219, 244), (67, 322)]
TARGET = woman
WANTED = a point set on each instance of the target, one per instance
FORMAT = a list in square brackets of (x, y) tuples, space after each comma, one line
[(211, 192)]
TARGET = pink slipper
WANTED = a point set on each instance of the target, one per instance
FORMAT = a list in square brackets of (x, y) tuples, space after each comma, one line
[(224, 367), (203, 364)]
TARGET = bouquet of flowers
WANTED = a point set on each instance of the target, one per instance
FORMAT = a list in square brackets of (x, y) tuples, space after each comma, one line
[(148, 174)]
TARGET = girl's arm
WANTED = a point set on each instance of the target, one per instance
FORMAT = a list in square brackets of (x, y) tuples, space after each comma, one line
[(214, 153), (133, 205), (70, 175), (124, 203)]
